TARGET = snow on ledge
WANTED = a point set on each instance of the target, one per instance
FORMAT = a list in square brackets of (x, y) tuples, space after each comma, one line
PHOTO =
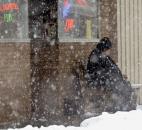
[(137, 85)]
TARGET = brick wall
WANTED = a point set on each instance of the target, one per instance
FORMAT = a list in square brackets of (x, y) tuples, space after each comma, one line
[(54, 71), (72, 54), (51, 77), (44, 63), (109, 23), (14, 82)]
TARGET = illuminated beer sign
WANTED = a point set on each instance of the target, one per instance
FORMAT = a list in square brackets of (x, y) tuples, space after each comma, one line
[(81, 2), (69, 25), (78, 20), (13, 19), (8, 7)]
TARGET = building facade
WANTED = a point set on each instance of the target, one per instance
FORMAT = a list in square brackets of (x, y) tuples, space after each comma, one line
[(41, 44)]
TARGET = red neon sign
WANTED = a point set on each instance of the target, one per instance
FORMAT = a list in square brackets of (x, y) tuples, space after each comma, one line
[(8, 7), (81, 2), (69, 25), (66, 2)]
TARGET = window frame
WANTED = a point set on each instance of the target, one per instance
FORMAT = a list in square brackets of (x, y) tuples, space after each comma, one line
[(19, 40), (76, 40)]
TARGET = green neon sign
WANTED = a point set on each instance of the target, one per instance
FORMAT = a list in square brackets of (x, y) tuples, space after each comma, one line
[(8, 17)]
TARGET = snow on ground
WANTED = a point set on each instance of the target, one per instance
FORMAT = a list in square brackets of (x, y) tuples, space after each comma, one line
[(119, 121)]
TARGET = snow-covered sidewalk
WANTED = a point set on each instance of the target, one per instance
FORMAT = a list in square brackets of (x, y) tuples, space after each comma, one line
[(119, 121)]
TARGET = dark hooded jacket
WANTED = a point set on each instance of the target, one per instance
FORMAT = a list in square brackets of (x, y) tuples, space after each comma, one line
[(103, 71), (104, 74)]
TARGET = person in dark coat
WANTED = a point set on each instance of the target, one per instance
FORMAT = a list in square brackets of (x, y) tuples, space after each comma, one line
[(105, 74), (100, 65)]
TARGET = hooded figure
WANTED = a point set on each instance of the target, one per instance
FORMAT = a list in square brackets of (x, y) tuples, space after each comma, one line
[(101, 67), (104, 74)]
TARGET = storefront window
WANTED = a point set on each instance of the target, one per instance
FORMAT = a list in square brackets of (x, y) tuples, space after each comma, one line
[(13, 20), (43, 19), (78, 20)]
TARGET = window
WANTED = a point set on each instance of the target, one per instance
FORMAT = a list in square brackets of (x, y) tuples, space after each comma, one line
[(78, 20), (43, 19), (14, 20)]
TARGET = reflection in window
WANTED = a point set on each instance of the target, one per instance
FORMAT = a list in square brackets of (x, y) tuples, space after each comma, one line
[(13, 19), (43, 19), (78, 19)]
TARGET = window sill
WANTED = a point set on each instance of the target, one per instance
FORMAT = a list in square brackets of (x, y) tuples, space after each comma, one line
[(15, 40), (78, 40)]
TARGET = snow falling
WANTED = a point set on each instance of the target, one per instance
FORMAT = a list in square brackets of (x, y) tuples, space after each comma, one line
[(67, 64)]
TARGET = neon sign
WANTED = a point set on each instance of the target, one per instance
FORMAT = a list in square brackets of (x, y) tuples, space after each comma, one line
[(69, 25), (13, 19), (81, 2), (66, 8), (78, 20), (8, 7), (5, 8), (8, 17)]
